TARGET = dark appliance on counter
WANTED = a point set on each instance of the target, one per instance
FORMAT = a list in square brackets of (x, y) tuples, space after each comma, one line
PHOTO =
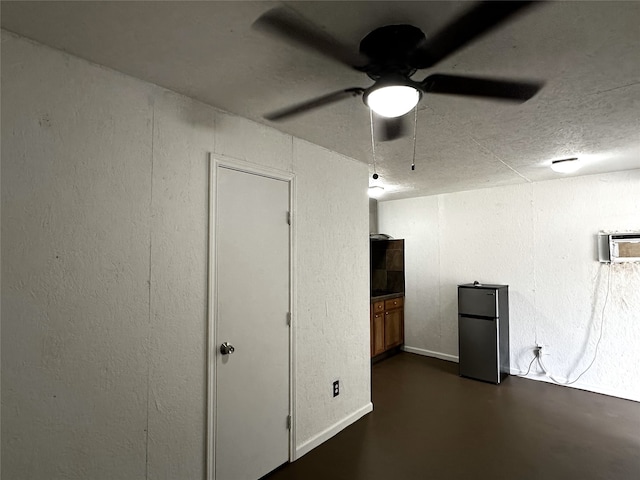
[(483, 331)]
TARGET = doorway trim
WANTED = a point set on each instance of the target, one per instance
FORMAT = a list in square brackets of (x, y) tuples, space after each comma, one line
[(217, 161)]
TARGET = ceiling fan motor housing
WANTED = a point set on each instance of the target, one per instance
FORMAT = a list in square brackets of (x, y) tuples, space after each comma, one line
[(390, 50)]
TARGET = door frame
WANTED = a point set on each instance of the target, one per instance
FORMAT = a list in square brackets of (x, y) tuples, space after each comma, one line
[(217, 161)]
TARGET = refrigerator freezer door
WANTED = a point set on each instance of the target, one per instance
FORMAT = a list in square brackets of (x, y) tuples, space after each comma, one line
[(479, 302), (478, 345)]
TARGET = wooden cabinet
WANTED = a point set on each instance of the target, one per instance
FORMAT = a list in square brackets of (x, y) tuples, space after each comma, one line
[(377, 333), (387, 324), (393, 323)]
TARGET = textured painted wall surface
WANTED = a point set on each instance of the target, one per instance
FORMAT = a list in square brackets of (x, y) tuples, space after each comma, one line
[(76, 163), (104, 262), (373, 215), (183, 133), (331, 251), (422, 326), (540, 240)]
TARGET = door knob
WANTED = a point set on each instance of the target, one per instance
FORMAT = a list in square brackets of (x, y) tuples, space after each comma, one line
[(226, 348)]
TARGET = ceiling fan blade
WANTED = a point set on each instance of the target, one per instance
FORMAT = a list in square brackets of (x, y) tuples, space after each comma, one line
[(287, 25), (387, 129), (481, 87), (476, 22), (314, 103)]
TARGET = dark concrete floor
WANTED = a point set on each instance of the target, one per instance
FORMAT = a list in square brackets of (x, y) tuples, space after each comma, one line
[(428, 423)]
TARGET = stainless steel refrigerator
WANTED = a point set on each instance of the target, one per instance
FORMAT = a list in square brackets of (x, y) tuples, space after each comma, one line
[(483, 331)]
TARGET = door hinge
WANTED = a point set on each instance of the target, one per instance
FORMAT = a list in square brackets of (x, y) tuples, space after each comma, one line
[(288, 422), (289, 318), (288, 218)]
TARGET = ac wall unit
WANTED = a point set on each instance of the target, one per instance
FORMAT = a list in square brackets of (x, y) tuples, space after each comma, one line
[(619, 247)]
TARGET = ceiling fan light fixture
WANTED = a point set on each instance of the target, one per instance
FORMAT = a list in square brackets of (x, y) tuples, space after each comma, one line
[(393, 100), (567, 165)]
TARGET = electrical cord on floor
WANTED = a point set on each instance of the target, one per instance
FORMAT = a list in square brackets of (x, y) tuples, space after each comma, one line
[(595, 354), (529, 369)]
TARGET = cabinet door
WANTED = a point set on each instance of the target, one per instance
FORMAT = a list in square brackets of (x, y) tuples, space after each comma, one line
[(377, 334), (393, 334), (372, 331)]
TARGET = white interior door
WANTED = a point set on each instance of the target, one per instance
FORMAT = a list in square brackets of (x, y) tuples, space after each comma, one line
[(253, 289)]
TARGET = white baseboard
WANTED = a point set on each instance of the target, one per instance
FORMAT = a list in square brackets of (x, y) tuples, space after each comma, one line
[(337, 427), (612, 392), (430, 353)]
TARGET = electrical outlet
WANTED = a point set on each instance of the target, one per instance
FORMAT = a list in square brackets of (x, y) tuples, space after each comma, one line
[(336, 388), (540, 350)]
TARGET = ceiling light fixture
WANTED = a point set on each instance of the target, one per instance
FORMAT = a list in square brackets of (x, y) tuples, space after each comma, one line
[(376, 191), (392, 100), (566, 165)]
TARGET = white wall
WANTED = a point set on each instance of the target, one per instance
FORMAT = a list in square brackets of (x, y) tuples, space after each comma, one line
[(540, 240), (104, 262)]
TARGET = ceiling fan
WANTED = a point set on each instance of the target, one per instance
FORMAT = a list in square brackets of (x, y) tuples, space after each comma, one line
[(392, 54)]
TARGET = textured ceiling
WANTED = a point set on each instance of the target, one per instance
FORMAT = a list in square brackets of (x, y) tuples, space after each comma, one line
[(585, 52)]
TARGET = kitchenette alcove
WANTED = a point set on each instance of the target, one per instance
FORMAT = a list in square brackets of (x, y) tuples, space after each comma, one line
[(387, 295)]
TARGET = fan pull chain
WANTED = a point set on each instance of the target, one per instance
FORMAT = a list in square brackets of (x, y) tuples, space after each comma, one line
[(415, 128), (373, 146)]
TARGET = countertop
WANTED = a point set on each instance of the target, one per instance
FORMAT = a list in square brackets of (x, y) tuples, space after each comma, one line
[(387, 296)]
